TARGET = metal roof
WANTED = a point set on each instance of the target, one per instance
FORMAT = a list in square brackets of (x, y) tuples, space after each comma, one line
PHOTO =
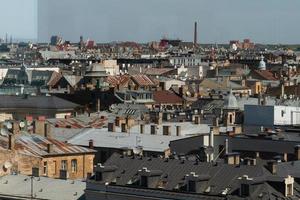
[(44, 188), (36, 145)]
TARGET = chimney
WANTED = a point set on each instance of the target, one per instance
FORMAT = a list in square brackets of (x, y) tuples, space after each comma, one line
[(47, 130), (195, 35), (216, 122), (111, 127), (272, 166), (178, 130), (297, 152), (91, 144), (250, 161), (124, 128), (11, 142), (282, 90), (142, 128), (50, 148), (15, 128), (98, 105), (196, 119), (226, 146), (232, 159)]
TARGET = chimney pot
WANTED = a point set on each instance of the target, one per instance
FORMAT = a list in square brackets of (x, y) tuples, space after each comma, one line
[(50, 148), (91, 144)]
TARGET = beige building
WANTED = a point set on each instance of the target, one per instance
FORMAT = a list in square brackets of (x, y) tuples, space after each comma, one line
[(21, 153)]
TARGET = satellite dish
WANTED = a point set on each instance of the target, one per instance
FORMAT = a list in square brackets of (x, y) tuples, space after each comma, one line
[(4, 132), (9, 125), (7, 165), (138, 150), (22, 124)]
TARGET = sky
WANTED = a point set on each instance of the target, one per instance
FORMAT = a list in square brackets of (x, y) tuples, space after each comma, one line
[(263, 21), (18, 19)]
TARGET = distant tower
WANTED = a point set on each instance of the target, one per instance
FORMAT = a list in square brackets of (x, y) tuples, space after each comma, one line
[(10, 40), (6, 39), (195, 35), (81, 42)]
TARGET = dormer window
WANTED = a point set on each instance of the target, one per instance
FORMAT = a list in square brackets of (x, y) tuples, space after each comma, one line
[(192, 186), (289, 190), (144, 181), (245, 190), (98, 176), (289, 186)]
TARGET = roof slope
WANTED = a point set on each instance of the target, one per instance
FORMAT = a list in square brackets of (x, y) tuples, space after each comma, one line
[(35, 102), (166, 97)]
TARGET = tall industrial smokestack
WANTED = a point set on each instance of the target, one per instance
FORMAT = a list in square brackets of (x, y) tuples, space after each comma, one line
[(195, 34)]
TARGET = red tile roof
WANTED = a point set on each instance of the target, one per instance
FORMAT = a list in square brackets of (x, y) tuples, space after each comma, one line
[(77, 123), (54, 79), (157, 71), (118, 80), (166, 97), (144, 80), (265, 75), (36, 145)]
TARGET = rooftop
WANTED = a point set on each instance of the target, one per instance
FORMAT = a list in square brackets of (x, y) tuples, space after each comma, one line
[(18, 187)]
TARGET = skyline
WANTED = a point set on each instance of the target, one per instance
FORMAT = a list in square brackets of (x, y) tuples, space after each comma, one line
[(144, 21)]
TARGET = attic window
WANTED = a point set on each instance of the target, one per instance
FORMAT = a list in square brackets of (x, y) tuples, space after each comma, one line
[(282, 113), (144, 181), (245, 190), (289, 190), (98, 176), (192, 186)]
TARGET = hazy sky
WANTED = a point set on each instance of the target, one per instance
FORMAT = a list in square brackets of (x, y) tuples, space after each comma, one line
[(264, 21), (18, 18)]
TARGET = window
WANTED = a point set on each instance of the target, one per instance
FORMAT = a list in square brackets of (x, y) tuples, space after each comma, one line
[(245, 190), (144, 181), (98, 176), (230, 119), (64, 165), (74, 165), (192, 186), (289, 188), (45, 170), (282, 113), (55, 167)]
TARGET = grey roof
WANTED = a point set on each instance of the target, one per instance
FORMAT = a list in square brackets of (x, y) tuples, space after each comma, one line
[(129, 110), (239, 144), (218, 177), (35, 102), (64, 134), (132, 139), (44, 188)]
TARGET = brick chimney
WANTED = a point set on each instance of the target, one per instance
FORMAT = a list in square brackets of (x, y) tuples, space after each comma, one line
[(50, 148), (91, 144), (272, 166), (297, 152)]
